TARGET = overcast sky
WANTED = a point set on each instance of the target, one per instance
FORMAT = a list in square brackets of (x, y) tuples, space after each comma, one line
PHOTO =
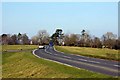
[(25, 17)]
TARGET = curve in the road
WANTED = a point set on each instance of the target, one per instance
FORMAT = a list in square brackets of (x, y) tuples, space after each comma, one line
[(93, 64)]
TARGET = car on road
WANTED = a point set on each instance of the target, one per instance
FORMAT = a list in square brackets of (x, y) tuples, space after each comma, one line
[(41, 47)]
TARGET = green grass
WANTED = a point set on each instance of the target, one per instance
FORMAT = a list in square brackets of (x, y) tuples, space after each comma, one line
[(25, 65), (18, 47), (91, 52)]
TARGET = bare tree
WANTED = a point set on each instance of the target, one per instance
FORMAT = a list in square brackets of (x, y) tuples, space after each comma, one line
[(34, 40), (97, 43), (117, 44), (66, 39), (71, 39), (110, 35), (14, 39), (43, 37), (109, 39), (85, 39), (25, 39), (4, 39)]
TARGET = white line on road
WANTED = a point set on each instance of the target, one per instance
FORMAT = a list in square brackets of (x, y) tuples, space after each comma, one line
[(83, 56), (88, 61), (66, 56), (82, 59), (47, 52), (94, 61), (74, 61), (58, 51), (55, 54), (117, 65), (55, 61)]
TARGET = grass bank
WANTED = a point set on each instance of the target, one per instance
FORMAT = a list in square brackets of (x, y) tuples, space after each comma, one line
[(91, 52), (25, 65), (18, 47)]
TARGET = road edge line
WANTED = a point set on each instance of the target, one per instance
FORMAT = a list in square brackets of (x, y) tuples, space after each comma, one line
[(60, 62), (55, 61)]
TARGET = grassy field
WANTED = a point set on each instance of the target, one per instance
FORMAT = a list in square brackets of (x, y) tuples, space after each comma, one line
[(25, 65), (18, 47), (91, 52)]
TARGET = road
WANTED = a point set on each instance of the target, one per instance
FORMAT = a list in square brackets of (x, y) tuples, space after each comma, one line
[(91, 64)]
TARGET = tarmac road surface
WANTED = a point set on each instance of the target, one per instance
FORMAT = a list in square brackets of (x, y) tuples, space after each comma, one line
[(88, 63)]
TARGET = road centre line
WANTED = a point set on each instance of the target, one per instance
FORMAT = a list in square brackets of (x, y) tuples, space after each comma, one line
[(66, 56), (71, 65), (55, 61), (94, 61), (88, 64), (117, 65), (55, 54), (87, 57), (78, 59), (82, 59), (88, 61), (84, 56)]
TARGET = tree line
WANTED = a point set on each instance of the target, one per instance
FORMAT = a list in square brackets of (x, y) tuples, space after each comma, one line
[(7, 39), (84, 39)]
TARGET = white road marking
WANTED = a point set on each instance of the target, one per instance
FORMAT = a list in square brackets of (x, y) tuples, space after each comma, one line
[(117, 65), (88, 61), (74, 61), (58, 51), (47, 52), (85, 57), (79, 55), (94, 61), (50, 53), (55, 54), (55, 61), (82, 59), (66, 56)]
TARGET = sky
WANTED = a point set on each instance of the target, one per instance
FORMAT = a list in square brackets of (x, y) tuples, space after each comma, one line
[(97, 18)]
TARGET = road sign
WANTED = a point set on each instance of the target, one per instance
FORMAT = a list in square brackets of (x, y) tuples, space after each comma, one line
[(51, 44)]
